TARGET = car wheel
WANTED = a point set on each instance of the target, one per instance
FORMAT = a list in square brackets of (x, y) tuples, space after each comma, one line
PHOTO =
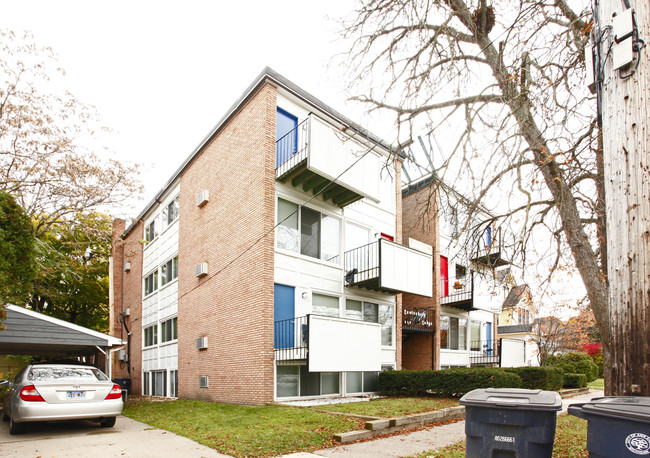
[(107, 422), (16, 428)]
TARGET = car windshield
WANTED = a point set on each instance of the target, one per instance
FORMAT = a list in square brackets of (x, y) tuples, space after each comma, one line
[(45, 374)]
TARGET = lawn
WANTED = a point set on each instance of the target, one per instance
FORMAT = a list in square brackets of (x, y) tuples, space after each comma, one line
[(570, 441), (391, 407), (598, 384), (244, 430)]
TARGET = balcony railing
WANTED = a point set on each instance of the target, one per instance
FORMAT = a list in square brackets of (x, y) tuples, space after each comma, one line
[(291, 339), (490, 250), (389, 267), (418, 320), (485, 353), (458, 292), (323, 160)]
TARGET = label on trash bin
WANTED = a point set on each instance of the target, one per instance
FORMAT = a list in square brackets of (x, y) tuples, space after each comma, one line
[(504, 439), (638, 443)]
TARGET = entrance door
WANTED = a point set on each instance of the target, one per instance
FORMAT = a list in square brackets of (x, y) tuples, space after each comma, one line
[(283, 314), (286, 145), (488, 337), (444, 276)]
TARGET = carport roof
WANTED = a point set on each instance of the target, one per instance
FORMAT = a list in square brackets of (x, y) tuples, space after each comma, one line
[(31, 333)]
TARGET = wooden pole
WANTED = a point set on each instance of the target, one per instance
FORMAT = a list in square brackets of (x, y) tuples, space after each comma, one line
[(625, 113)]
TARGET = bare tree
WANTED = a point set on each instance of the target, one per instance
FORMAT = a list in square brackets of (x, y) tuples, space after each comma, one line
[(506, 77), (43, 161)]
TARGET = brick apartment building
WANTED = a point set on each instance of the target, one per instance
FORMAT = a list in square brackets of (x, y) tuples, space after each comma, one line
[(271, 264), (457, 326)]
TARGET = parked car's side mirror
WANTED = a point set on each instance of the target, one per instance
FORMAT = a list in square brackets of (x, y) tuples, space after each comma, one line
[(5, 382)]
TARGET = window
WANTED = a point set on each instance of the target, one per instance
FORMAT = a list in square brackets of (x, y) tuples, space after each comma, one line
[(173, 384), (293, 381), (170, 213), (475, 335), (150, 231), (373, 313), (145, 384), (169, 271), (150, 335), (453, 333), (151, 283), (325, 305), (301, 229), (361, 382), (461, 271), (169, 330), (159, 380)]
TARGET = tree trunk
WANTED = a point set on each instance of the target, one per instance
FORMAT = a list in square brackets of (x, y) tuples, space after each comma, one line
[(626, 146)]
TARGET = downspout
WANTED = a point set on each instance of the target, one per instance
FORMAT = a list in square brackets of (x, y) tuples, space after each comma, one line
[(128, 334)]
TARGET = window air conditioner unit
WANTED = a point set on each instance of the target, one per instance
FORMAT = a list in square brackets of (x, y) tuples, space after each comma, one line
[(127, 266), (201, 269), (202, 343), (121, 355), (203, 381), (202, 198)]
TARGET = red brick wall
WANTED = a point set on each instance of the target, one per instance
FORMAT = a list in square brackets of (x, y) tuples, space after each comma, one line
[(127, 293), (420, 221), (233, 233)]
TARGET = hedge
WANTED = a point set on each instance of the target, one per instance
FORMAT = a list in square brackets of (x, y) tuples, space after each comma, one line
[(539, 378), (448, 382), (577, 363), (575, 380)]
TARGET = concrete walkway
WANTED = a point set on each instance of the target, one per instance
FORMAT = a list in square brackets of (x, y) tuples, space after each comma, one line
[(418, 441)]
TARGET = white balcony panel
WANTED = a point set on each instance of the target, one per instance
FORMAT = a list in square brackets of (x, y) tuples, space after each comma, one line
[(405, 269), (332, 152), (339, 345)]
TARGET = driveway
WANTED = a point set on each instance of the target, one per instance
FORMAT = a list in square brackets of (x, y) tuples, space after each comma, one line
[(83, 438)]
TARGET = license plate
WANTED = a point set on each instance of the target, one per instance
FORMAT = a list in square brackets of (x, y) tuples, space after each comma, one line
[(76, 395)]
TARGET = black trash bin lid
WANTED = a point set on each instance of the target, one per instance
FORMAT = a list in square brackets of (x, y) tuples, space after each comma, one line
[(514, 398), (630, 407)]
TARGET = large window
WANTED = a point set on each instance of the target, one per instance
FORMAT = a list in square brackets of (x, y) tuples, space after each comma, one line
[(150, 335), (169, 271), (325, 305), (151, 231), (475, 335), (170, 213), (293, 381), (151, 283), (373, 313), (308, 231), (453, 333), (169, 330)]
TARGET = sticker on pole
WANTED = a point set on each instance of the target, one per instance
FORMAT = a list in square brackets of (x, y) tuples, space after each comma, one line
[(638, 443)]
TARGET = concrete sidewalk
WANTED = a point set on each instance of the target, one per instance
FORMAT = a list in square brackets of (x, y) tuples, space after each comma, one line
[(418, 441)]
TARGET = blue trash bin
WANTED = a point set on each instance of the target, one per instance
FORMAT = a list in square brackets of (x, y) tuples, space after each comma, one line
[(618, 426), (510, 422)]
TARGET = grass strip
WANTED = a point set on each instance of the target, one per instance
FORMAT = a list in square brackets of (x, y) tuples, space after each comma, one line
[(244, 430), (390, 407)]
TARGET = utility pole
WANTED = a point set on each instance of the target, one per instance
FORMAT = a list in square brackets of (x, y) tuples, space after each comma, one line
[(622, 82)]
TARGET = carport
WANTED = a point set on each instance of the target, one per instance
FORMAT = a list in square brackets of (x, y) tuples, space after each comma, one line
[(31, 333)]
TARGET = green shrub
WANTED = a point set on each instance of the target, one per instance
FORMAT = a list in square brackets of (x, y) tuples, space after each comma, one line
[(449, 382), (576, 362), (539, 378), (575, 380)]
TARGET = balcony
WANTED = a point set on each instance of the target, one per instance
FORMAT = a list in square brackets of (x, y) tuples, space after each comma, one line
[(389, 267), (458, 292), (490, 250), (328, 344), (323, 160), (484, 353), (418, 320)]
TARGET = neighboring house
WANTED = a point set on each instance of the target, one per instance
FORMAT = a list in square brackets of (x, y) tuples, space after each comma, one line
[(468, 291), (270, 266), (516, 322)]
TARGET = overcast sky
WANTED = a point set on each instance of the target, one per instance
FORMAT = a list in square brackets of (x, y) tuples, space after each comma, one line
[(162, 73)]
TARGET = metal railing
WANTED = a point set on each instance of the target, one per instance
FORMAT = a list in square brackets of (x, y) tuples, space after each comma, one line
[(418, 320), (455, 289), (292, 148), (362, 264), (291, 339), (485, 352)]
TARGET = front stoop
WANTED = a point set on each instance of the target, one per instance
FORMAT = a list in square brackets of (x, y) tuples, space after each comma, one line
[(390, 425)]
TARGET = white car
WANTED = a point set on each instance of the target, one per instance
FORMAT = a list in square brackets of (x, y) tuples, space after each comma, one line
[(45, 392)]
